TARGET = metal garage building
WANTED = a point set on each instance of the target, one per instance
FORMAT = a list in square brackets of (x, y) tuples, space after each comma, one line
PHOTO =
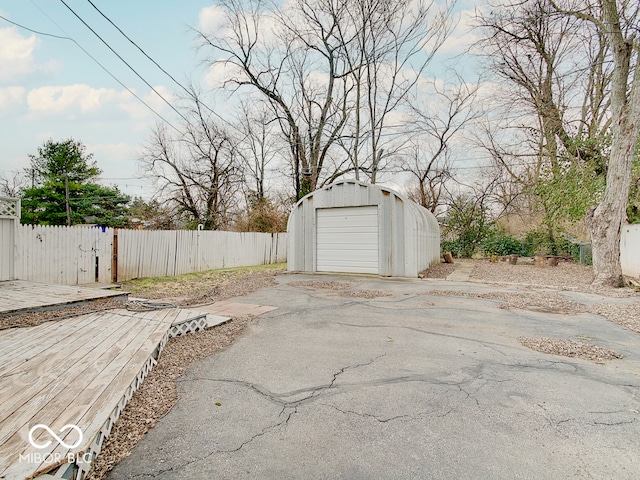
[(354, 227)]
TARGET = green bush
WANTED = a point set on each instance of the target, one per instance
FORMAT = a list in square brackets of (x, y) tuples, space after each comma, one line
[(502, 244)]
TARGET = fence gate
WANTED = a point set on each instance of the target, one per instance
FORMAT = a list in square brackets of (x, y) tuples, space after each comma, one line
[(9, 216)]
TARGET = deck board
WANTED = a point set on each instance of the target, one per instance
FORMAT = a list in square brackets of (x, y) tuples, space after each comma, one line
[(20, 296), (71, 371)]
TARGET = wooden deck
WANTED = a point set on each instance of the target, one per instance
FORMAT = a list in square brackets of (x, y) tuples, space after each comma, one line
[(18, 296), (79, 371)]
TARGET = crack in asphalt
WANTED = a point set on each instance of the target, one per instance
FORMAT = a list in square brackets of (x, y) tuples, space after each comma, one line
[(491, 345), (293, 405)]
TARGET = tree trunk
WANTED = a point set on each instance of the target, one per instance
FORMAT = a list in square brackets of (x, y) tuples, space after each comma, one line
[(605, 220)]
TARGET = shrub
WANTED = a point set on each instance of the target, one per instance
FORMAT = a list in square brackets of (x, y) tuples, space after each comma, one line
[(502, 244)]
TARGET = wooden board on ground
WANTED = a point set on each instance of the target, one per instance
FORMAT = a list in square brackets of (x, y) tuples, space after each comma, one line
[(76, 371), (18, 296)]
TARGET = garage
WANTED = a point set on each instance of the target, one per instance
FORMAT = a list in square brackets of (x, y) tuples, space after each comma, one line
[(353, 227), (347, 239)]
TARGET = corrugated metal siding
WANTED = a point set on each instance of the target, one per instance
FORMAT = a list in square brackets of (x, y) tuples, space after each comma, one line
[(408, 234), (347, 239)]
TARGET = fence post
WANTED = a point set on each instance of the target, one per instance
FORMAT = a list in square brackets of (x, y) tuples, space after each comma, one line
[(114, 257)]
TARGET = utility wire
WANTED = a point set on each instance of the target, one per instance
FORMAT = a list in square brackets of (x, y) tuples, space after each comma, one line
[(125, 62), (92, 58), (188, 92)]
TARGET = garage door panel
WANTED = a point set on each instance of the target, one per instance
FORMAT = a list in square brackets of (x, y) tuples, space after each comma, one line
[(352, 238), (347, 239)]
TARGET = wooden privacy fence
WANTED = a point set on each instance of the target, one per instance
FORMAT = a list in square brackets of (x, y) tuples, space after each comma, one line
[(63, 255), (161, 253), (82, 255)]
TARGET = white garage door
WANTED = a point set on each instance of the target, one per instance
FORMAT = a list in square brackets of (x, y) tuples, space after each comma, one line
[(347, 240)]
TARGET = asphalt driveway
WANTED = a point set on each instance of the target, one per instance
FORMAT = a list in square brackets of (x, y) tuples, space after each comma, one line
[(404, 386)]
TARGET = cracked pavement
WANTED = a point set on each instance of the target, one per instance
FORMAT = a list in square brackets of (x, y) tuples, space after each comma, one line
[(407, 386)]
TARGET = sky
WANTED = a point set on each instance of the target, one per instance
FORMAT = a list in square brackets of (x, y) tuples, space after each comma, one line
[(51, 89)]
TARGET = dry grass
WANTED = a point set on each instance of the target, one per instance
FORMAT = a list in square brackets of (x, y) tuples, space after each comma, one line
[(193, 287)]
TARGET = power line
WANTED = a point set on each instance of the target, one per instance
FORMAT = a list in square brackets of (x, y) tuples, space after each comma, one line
[(90, 56), (187, 91), (125, 62)]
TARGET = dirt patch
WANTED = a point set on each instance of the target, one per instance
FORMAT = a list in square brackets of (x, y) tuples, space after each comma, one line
[(533, 300), (565, 276), (569, 348), (340, 287), (158, 393), (321, 285), (365, 294), (439, 270)]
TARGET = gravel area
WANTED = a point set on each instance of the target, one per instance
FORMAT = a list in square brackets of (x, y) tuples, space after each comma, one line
[(31, 319), (565, 276), (365, 294), (531, 300), (321, 285), (340, 287), (569, 348), (625, 315), (439, 270)]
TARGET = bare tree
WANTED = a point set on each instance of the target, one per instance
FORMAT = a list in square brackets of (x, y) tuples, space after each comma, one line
[(547, 63), (197, 172), (435, 123), (258, 148), (323, 64), (619, 24), (395, 42), (574, 63), (11, 185)]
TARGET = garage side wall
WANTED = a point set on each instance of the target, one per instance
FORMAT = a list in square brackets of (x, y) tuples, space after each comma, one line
[(408, 234)]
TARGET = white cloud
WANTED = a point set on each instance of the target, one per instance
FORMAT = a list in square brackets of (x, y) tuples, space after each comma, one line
[(16, 53), (219, 73), (463, 35), (10, 96), (59, 99), (211, 19), (139, 111)]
